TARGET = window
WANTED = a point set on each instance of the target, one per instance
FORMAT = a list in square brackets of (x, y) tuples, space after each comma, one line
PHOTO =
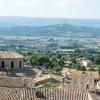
[(20, 64), (12, 64), (3, 64)]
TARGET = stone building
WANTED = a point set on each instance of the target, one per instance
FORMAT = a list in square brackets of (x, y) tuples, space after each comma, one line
[(85, 80), (10, 60), (86, 63), (98, 85)]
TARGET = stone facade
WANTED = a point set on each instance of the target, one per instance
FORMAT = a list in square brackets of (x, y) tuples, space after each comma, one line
[(11, 60), (8, 63), (98, 85)]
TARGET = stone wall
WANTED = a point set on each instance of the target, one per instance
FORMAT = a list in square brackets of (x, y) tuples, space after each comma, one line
[(7, 62), (98, 85), (82, 82)]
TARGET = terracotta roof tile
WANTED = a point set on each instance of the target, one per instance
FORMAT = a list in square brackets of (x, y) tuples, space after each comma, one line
[(42, 94), (9, 54)]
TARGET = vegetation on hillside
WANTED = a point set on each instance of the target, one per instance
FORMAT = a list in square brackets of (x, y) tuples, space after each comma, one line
[(55, 63)]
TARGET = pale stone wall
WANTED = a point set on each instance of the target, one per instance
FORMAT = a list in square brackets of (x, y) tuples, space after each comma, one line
[(7, 62), (89, 96), (81, 83), (98, 85)]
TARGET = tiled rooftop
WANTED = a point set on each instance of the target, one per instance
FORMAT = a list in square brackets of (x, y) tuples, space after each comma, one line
[(92, 74), (16, 82), (9, 54), (42, 94)]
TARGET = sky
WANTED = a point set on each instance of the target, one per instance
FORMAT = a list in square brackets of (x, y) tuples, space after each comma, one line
[(51, 8)]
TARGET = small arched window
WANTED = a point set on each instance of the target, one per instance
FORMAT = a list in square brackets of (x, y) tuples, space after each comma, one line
[(20, 64), (3, 64), (12, 64)]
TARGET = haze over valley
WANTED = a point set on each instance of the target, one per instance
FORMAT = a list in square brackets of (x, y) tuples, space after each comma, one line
[(49, 34)]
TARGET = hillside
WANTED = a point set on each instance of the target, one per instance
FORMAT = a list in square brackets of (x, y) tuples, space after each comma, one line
[(12, 21), (51, 30)]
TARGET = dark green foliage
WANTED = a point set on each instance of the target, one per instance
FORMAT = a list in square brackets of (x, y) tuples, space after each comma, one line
[(77, 66), (91, 58), (92, 69), (98, 68), (57, 69), (73, 59), (77, 51), (49, 85), (83, 68), (54, 62), (40, 60), (61, 62), (97, 60)]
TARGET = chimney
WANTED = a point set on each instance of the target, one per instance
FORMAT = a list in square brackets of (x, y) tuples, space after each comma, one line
[(63, 80)]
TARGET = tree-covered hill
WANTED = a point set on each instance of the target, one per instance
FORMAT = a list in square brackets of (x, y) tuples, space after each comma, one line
[(51, 30)]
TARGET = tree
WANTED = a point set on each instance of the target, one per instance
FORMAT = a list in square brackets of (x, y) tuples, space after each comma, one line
[(77, 50), (57, 69), (43, 60), (97, 60), (83, 68), (98, 69), (61, 62), (73, 59), (58, 56), (40, 60), (91, 58), (34, 60), (78, 67), (92, 69), (54, 62)]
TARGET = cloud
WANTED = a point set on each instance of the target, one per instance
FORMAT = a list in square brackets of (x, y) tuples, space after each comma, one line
[(50, 8), (19, 7), (20, 2), (66, 3), (27, 2), (38, 3), (63, 3)]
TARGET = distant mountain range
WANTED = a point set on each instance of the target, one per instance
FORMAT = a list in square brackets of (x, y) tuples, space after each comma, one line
[(31, 21), (49, 26), (51, 30)]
